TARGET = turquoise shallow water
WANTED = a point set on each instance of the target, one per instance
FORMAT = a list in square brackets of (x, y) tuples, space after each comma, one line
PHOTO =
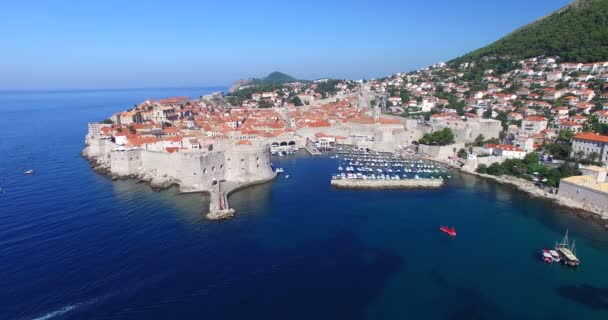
[(75, 245)]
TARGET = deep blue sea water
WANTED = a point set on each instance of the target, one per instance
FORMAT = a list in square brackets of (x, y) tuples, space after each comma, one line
[(76, 245)]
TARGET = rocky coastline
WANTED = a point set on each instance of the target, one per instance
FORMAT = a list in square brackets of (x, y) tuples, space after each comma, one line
[(166, 182), (220, 215), (583, 210), (156, 183)]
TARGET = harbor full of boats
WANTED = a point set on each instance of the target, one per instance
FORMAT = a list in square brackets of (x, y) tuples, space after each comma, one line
[(369, 169)]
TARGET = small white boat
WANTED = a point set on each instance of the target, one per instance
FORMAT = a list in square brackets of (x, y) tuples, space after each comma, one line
[(29, 172), (286, 176)]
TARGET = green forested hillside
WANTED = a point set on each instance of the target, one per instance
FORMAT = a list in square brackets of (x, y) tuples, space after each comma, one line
[(578, 32), (275, 78)]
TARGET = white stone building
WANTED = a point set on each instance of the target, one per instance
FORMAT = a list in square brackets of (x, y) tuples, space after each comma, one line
[(589, 188), (533, 125), (588, 143), (509, 152)]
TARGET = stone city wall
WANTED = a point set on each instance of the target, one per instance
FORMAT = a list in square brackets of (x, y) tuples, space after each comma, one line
[(472, 164), (583, 194), (441, 152), (193, 170)]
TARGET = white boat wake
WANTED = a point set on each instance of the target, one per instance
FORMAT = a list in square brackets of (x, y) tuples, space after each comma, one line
[(58, 312), (73, 307)]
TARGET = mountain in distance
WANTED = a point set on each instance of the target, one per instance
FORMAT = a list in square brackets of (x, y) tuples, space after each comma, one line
[(577, 32), (275, 78)]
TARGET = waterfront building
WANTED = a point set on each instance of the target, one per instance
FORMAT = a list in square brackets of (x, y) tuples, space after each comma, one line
[(589, 188), (590, 143), (507, 151)]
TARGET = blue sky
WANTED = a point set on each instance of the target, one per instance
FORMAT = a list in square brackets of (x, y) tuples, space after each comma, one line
[(133, 44)]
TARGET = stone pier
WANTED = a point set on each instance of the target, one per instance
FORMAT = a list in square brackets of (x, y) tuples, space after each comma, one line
[(219, 208), (218, 204), (388, 184)]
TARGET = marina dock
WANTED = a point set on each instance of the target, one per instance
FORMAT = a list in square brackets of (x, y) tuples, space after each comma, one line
[(387, 184), (363, 169)]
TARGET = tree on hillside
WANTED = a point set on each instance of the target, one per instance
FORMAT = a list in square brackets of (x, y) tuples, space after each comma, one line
[(488, 113), (531, 157), (405, 96), (442, 137), (565, 136), (462, 153), (296, 101), (593, 156), (265, 104)]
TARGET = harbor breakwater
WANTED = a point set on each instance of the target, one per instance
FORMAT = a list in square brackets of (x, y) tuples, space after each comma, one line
[(387, 184)]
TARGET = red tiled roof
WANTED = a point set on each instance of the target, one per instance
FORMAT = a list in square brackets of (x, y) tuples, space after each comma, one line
[(442, 115), (508, 147), (319, 123), (535, 118), (591, 137), (389, 121), (243, 142), (362, 120)]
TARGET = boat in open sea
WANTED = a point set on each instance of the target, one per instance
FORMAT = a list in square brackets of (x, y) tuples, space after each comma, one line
[(450, 231), (567, 252), (550, 256)]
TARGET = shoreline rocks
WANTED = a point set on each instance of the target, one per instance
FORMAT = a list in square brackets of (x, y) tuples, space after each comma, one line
[(156, 183), (159, 183), (529, 188), (220, 215)]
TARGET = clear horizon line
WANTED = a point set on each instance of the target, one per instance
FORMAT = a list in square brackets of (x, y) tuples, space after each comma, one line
[(109, 89)]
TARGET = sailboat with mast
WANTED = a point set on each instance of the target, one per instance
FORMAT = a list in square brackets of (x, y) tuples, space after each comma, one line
[(567, 253)]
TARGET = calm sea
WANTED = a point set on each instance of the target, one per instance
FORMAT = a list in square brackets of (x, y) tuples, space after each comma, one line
[(76, 245)]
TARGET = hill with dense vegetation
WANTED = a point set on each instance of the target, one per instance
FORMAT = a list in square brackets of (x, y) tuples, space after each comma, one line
[(577, 32), (274, 79), (243, 89)]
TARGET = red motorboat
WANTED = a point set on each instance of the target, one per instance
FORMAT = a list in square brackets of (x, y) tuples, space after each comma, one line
[(450, 231)]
